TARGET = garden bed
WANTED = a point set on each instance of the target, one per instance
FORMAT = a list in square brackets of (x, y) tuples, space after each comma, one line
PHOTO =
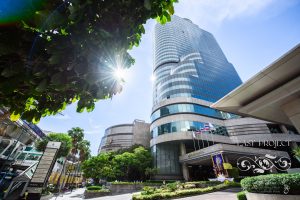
[(95, 191), (175, 190)]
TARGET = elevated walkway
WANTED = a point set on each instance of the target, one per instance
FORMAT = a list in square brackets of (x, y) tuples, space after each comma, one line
[(21, 180)]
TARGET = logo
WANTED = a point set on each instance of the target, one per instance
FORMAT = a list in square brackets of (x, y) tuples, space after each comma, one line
[(264, 163)]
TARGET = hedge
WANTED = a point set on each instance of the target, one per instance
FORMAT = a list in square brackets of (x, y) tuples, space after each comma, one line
[(137, 183), (241, 195), (94, 187), (273, 184), (180, 193), (99, 191)]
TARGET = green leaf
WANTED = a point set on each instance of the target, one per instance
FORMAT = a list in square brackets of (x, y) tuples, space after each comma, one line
[(63, 31), (42, 86), (15, 116), (171, 9)]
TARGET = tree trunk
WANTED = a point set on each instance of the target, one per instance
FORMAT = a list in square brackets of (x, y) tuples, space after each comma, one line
[(62, 171)]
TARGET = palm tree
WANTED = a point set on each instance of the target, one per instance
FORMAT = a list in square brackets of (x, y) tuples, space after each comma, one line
[(77, 136), (84, 150), (84, 153)]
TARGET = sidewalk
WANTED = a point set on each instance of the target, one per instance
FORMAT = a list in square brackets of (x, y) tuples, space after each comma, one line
[(75, 195), (229, 194)]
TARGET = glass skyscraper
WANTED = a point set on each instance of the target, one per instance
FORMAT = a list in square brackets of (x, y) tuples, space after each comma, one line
[(191, 72)]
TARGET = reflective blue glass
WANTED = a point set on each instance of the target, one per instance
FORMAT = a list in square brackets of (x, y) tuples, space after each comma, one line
[(190, 108), (188, 126), (189, 62)]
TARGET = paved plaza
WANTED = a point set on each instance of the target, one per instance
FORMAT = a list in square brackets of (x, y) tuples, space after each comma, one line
[(229, 194)]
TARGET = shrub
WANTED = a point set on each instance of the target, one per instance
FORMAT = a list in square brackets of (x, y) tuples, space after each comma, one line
[(160, 181), (148, 190), (273, 184), (179, 193), (241, 195), (203, 184), (94, 187), (126, 183), (232, 183), (189, 185), (234, 172), (173, 186)]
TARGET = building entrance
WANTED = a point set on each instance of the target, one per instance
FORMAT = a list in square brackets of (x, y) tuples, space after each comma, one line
[(200, 172)]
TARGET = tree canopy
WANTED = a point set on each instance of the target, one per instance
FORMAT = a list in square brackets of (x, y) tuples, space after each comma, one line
[(65, 139), (79, 145), (67, 50), (121, 166)]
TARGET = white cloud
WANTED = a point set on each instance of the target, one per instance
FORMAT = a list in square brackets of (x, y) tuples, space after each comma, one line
[(214, 12), (95, 128)]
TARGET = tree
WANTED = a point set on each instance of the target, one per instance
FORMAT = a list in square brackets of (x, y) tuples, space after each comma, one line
[(77, 136), (149, 172), (65, 139), (99, 166), (130, 166), (84, 153), (124, 165), (66, 51), (84, 150), (144, 160)]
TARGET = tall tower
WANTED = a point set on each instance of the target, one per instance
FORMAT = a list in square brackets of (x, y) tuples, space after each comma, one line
[(191, 72)]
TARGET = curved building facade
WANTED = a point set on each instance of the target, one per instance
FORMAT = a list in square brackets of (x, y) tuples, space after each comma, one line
[(123, 136), (191, 72)]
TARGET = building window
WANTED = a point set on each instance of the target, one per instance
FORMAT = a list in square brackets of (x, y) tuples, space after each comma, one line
[(190, 108), (292, 130), (178, 126), (274, 128)]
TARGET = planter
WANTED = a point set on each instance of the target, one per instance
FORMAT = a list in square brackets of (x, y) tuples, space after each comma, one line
[(258, 196), (94, 194), (125, 188), (47, 197), (293, 170)]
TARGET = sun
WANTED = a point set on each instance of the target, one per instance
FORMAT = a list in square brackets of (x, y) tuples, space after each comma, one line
[(120, 74)]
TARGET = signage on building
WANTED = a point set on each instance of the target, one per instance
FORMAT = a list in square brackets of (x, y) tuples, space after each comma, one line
[(218, 162), (43, 170)]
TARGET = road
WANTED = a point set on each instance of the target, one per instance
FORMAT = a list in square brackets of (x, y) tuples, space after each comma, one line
[(229, 194)]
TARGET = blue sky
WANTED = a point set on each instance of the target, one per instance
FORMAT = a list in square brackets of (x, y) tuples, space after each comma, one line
[(251, 33)]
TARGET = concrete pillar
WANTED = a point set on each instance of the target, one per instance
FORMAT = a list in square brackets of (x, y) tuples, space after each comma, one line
[(292, 111), (185, 170), (283, 129), (226, 160)]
